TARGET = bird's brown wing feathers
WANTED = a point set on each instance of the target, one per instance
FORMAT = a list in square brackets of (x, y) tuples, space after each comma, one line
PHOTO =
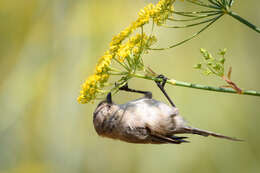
[(165, 139), (157, 137)]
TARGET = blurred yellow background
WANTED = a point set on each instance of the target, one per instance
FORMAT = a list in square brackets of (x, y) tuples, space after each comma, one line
[(48, 48)]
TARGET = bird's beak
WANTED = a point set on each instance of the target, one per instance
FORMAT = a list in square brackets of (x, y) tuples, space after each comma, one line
[(109, 98)]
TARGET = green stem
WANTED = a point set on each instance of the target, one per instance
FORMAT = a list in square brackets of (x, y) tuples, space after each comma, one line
[(118, 74), (192, 19), (190, 25), (196, 14), (193, 36), (199, 3), (120, 63), (230, 2), (199, 86), (217, 4), (244, 21), (114, 69)]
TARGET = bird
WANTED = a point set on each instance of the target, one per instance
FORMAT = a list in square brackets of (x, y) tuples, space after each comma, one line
[(144, 121)]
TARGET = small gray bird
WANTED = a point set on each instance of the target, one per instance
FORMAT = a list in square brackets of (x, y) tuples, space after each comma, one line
[(144, 120)]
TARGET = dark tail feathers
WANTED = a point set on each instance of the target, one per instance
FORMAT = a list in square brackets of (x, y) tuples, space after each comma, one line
[(208, 133)]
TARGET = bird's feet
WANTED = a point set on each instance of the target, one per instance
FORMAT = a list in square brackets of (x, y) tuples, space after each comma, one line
[(124, 87), (162, 83)]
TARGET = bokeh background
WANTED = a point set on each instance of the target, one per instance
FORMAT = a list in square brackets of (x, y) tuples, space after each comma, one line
[(48, 48)]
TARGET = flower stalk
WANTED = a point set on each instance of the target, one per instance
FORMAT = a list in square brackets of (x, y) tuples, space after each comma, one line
[(199, 86), (244, 21)]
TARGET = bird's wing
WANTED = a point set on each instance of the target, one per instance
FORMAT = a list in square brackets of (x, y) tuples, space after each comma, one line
[(167, 139)]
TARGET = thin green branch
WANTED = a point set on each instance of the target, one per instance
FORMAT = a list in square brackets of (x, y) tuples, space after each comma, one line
[(214, 3), (113, 69), (231, 2), (242, 20), (197, 13), (225, 2), (190, 25), (224, 6), (203, 4), (199, 86), (118, 73), (123, 65), (193, 36), (192, 19)]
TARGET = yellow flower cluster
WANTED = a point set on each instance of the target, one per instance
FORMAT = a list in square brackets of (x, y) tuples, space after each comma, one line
[(158, 13), (94, 83), (134, 46)]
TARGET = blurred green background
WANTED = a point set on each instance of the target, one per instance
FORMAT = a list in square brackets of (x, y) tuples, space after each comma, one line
[(48, 48)]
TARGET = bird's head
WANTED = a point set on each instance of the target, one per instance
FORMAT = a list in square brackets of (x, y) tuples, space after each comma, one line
[(104, 110)]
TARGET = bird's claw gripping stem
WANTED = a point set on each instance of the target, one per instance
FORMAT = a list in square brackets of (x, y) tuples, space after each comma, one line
[(161, 85)]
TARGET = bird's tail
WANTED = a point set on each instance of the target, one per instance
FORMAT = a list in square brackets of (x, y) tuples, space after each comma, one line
[(207, 133)]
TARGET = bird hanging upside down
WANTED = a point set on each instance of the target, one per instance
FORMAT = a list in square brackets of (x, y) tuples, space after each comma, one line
[(144, 120)]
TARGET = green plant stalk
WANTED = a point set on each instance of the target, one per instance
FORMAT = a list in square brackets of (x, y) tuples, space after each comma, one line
[(190, 25), (225, 6), (199, 86), (192, 18), (193, 36), (244, 21)]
